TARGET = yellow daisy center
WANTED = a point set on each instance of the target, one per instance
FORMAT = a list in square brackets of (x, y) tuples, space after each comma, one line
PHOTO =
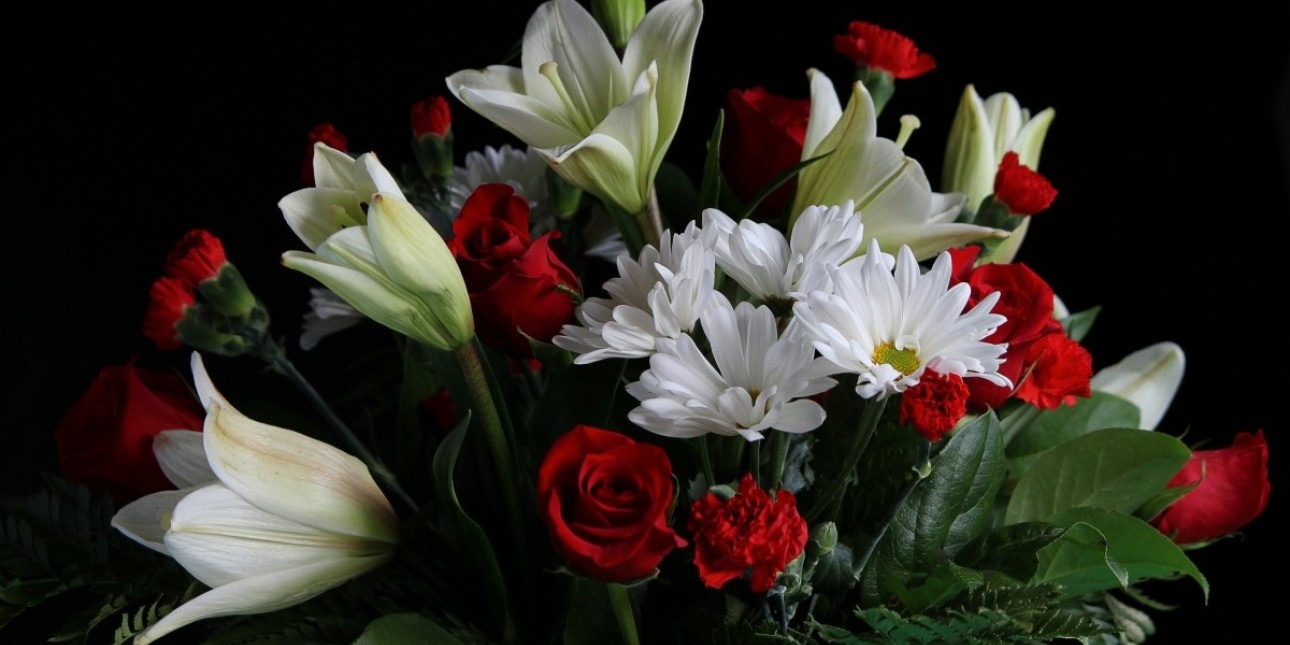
[(904, 360)]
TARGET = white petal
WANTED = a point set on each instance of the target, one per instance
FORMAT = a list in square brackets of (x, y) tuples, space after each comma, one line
[(332, 168), (826, 110), (297, 477), (261, 594), (602, 165), (528, 118), (146, 520), (564, 32), (206, 392), (314, 213), (182, 458), (666, 37), (1148, 377)]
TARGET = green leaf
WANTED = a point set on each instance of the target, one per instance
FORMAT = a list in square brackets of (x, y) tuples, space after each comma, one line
[(1049, 428), (944, 513), (1078, 324), (1116, 469), (1011, 550), (397, 629), (710, 187), (594, 387), (1103, 549), (471, 539)]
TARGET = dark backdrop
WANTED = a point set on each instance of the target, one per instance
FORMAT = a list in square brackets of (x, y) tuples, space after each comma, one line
[(1168, 150)]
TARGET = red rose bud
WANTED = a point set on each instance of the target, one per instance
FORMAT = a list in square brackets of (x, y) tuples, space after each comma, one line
[(1022, 190), (605, 500), (763, 138), (169, 298), (1232, 491), (105, 439), (872, 46), (750, 533), (321, 133), (935, 405), (431, 116)]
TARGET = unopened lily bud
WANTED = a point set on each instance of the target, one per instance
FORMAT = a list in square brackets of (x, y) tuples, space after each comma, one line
[(618, 18), (1148, 378)]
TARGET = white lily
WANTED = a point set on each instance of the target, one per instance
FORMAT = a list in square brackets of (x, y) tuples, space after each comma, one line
[(602, 123), (890, 190), (182, 458), (289, 518), (1148, 378), (343, 186), (980, 135), (396, 270)]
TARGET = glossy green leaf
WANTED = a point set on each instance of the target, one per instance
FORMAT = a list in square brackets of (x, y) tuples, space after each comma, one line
[(1103, 549), (1049, 428), (1115, 469), (396, 629)]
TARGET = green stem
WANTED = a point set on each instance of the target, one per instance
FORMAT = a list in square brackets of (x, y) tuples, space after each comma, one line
[(623, 612), (495, 436), (650, 220), (706, 458), (754, 462), (778, 458), (870, 415), (272, 353)]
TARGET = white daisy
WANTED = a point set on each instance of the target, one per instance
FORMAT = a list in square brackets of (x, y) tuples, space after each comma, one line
[(889, 328), (756, 384), (660, 295), (757, 256)]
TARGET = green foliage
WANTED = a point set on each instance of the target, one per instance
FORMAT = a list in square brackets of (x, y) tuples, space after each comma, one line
[(1046, 429)]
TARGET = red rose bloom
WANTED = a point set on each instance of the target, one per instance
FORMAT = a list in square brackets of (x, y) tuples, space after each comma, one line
[(1022, 190), (935, 405), (196, 257), (321, 133), (105, 439), (871, 45), (517, 286), (1233, 490), (431, 116), (168, 299), (763, 138), (750, 532), (1060, 370), (605, 500)]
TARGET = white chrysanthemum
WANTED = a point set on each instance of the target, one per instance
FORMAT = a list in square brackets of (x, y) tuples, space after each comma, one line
[(328, 314), (757, 256), (660, 295), (523, 170), (756, 384), (889, 328)]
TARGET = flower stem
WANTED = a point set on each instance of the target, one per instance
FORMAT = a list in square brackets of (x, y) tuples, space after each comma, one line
[(870, 415), (778, 458), (623, 612), (651, 219), (495, 435), (273, 354), (706, 458), (754, 462)]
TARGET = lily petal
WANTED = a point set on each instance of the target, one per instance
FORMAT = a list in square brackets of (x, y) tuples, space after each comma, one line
[(523, 116), (1148, 378), (826, 111), (314, 214), (565, 33), (145, 520), (665, 40), (262, 594), (182, 458)]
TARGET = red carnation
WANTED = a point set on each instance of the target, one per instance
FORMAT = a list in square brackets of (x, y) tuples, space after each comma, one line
[(749, 533), (321, 133), (1232, 491), (1022, 190), (168, 299), (763, 139), (935, 405), (1060, 369), (869, 45), (196, 257), (431, 116)]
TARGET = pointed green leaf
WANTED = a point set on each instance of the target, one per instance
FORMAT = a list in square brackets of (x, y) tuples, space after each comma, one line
[(1103, 549), (1078, 324), (472, 541), (395, 629), (710, 187), (1115, 469), (1010, 550)]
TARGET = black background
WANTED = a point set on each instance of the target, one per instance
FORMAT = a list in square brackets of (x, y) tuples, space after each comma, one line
[(126, 129)]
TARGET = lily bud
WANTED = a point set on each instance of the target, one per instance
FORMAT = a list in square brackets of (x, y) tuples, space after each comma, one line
[(289, 518), (397, 271), (618, 18), (1148, 378)]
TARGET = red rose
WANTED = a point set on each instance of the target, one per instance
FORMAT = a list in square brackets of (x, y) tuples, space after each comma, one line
[(105, 439), (1233, 490), (605, 500), (518, 287), (750, 532), (763, 138)]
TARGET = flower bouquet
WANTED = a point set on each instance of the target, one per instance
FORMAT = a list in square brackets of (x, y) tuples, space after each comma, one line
[(795, 395)]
